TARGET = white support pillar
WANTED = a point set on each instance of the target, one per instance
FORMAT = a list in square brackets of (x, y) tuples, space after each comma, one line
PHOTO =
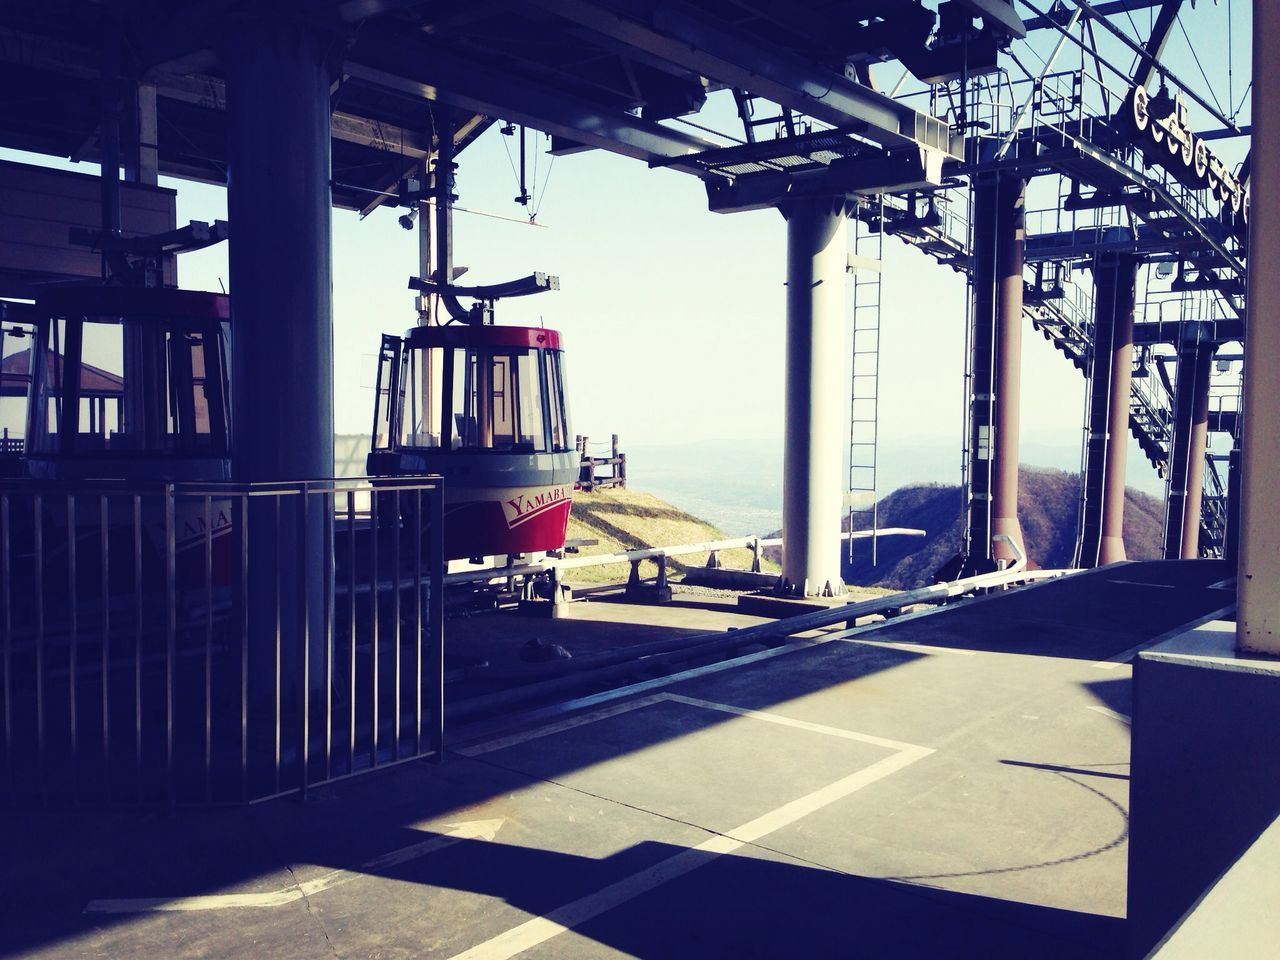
[(1258, 617), (812, 491)]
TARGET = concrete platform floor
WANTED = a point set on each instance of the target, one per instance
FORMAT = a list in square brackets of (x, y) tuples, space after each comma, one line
[(949, 785)]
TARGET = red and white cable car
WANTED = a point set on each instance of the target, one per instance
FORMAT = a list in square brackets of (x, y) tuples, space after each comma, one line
[(484, 407)]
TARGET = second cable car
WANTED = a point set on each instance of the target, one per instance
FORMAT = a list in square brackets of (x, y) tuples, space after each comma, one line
[(484, 407)]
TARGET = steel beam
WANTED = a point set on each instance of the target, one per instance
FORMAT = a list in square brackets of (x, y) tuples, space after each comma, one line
[(687, 37), (458, 82), (1058, 16), (210, 93), (74, 60), (1133, 45), (847, 177), (812, 492), (1153, 49)]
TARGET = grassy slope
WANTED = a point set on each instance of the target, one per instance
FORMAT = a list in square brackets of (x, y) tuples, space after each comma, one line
[(628, 520)]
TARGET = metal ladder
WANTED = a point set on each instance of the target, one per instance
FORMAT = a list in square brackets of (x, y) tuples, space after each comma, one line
[(864, 264)]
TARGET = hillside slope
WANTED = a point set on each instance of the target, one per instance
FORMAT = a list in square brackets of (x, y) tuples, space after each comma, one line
[(623, 519), (1048, 501), (1047, 506)]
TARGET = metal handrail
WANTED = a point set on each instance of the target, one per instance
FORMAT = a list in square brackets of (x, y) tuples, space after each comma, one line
[(207, 642), (753, 543)]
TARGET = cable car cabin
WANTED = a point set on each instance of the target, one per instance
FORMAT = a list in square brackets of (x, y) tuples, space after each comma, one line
[(17, 331), (484, 407), (129, 383)]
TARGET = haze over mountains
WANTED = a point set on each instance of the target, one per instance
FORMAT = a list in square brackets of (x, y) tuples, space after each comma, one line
[(736, 485)]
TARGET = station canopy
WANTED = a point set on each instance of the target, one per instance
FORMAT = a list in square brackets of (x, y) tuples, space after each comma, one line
[(628, 76)]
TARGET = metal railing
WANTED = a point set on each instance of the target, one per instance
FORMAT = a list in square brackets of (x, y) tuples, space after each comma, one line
[(216, 642), (556, 565), (590, 466)]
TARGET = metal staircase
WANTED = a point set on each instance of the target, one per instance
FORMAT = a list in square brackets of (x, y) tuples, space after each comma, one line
[(1110, 199), (1061, 310)]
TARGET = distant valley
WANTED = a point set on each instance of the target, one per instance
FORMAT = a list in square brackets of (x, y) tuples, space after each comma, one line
[(736, 485)]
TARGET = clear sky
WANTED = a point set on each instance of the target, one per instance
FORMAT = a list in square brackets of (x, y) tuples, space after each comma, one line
[(673, 316)]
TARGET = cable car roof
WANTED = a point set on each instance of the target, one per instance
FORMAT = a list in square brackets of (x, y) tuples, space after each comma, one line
[(482, 337), (101, 301)]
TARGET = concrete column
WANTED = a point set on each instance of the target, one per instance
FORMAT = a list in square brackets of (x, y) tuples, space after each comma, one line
[(1186, 462), (812, 491), (278, 202), (1102, 526), (1258, 615), (996, 365)]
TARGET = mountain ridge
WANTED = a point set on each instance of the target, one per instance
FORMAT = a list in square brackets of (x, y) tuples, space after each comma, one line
[(1048, 504)]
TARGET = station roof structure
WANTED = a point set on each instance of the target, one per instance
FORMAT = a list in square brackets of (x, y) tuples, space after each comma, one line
[(617, 75)]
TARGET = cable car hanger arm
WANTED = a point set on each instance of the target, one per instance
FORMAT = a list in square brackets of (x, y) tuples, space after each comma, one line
[(525, 286)]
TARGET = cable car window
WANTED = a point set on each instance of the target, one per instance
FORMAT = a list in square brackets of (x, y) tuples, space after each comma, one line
[(497, 401), (384, 404), (463, 435), (199, 386), (423, 371), (503, 410), (559, 408), (16, 352), (142, 387), (528, 387), (46, 421)]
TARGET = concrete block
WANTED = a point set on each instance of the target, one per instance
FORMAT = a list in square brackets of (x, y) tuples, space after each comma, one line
[(726, 579), (1205, 771)]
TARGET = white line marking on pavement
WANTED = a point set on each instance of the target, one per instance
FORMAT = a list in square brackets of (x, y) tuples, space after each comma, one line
[(797, 724), (541, 929), (473, 830), (1108, 712)]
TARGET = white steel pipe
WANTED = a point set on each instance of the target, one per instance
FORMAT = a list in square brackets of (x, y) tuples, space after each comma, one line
[(649, 553)]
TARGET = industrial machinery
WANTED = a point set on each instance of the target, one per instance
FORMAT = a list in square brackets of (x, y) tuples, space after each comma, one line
[(484, 407)]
